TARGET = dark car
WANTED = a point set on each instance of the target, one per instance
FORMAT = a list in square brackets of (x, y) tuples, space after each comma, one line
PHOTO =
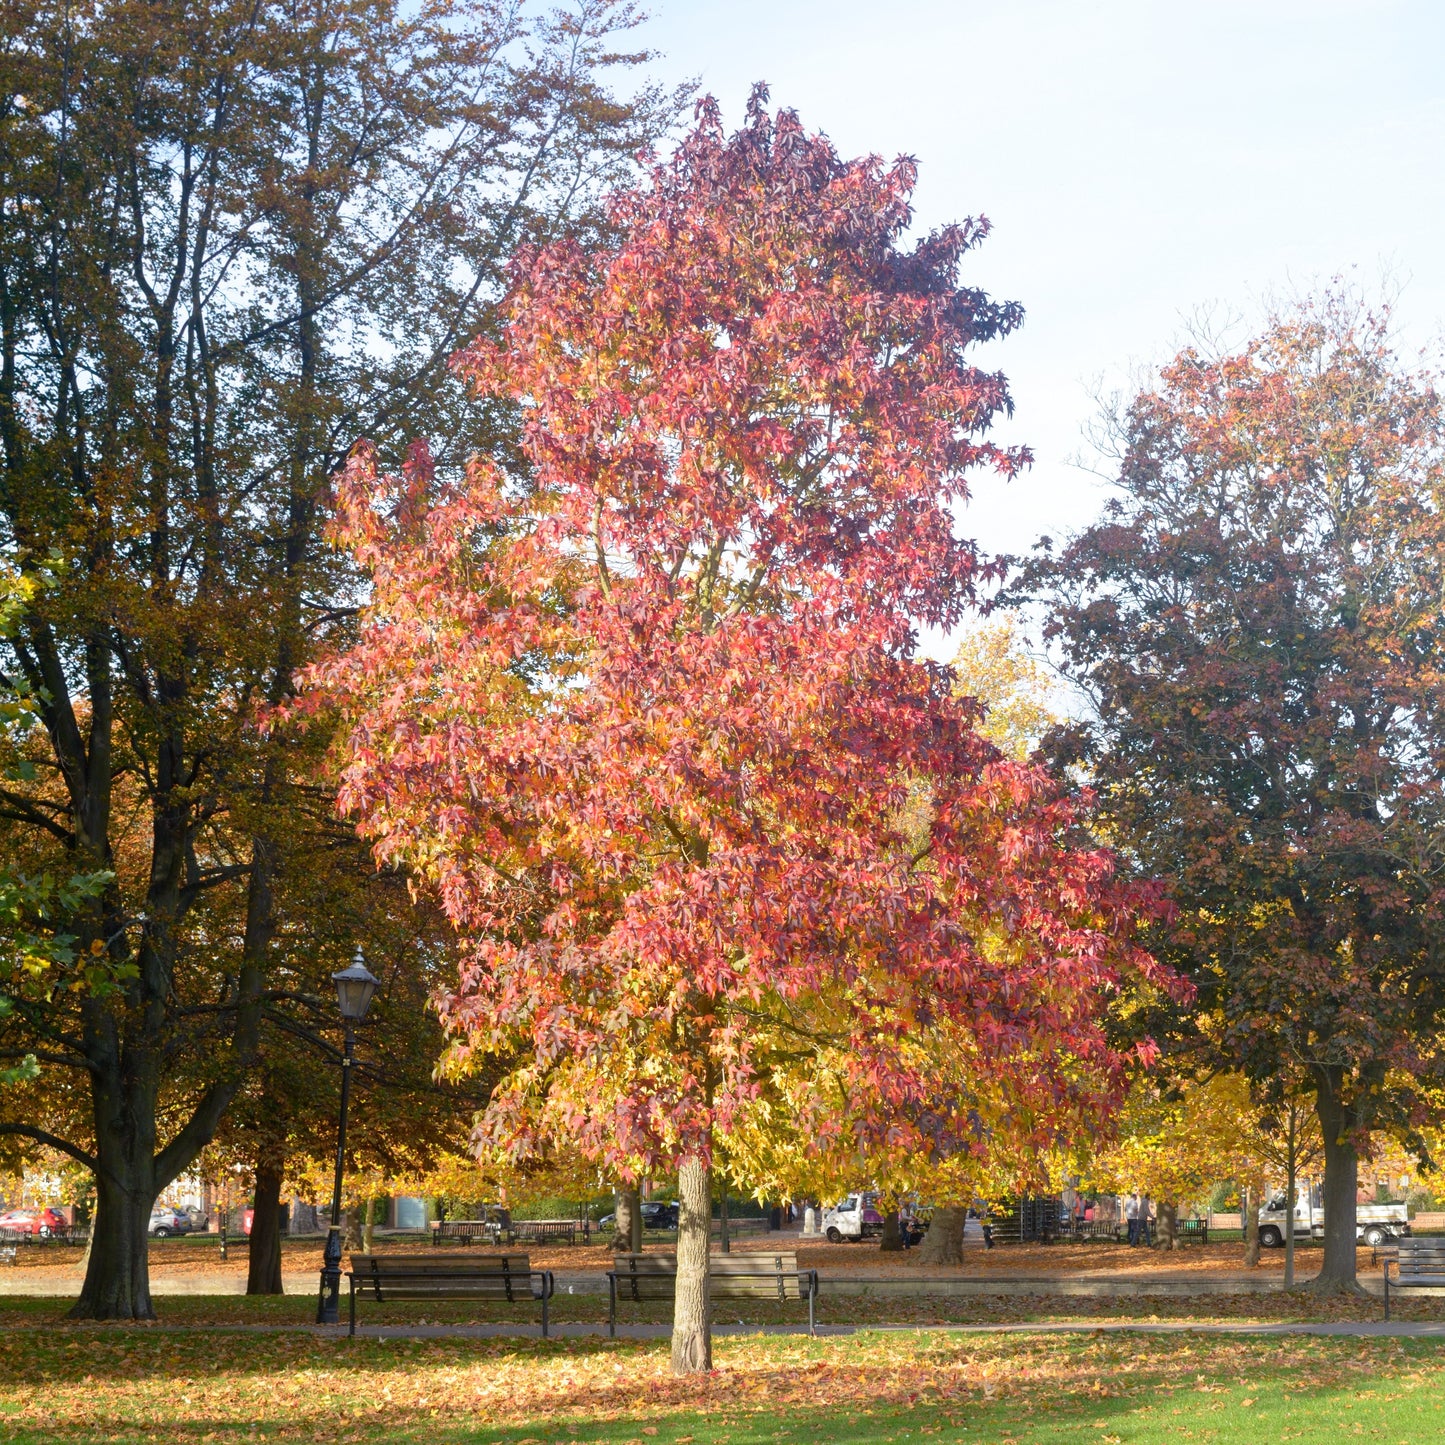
[(656, 1214)]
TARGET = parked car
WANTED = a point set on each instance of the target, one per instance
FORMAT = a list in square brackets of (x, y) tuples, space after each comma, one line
[(166, 1222), (33, 1221), (656, 1214)]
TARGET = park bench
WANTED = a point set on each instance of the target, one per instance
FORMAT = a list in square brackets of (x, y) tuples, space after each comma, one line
[(509, 1278), (1419, 1264), (1186, 1229), (466, 1231), (739, 1227), (539, 1231), (10, 1242), (1096, 1229), (754, 1274)]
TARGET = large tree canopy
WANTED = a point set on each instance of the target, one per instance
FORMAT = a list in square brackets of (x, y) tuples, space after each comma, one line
[(232, 236), (1258, 620), (646, 710)]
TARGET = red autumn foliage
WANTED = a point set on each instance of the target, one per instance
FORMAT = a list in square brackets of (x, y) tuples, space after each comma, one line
[(645, 708)]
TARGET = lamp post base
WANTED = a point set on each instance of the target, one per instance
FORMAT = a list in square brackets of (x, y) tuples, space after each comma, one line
[(328, 1305)]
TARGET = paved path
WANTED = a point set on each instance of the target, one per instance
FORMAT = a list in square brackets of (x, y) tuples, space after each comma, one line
[(1395, 1329), (54, 1283)]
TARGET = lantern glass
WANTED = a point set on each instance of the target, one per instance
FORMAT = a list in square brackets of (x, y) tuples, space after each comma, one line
[(354, 988)]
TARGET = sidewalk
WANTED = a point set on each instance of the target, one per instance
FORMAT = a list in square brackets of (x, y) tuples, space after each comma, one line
[(1395, 1329), (58, 1283)]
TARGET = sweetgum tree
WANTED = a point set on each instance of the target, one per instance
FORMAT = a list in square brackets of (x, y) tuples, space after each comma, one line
[(1258, 620), (726, 857)]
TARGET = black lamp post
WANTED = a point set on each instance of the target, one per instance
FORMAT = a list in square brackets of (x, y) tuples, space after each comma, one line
[(354, 988)]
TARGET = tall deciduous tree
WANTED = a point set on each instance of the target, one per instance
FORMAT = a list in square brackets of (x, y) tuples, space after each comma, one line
[(1175, 1139), (1258, 621), (233, 234), (647, 714)]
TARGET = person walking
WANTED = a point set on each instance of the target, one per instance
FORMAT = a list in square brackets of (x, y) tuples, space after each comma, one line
[(1131, 1217)]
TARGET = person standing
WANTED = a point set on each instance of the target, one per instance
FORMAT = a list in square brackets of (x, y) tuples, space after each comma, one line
[(1131, 1217)]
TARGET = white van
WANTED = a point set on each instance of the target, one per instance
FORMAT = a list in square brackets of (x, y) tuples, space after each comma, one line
[(855, 1217), (1374, 1223)]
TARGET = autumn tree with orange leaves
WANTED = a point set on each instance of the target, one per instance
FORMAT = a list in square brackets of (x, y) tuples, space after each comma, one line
[(645, 709)]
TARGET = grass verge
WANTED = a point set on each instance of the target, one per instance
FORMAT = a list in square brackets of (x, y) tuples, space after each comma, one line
[(920, 1309), (116, 1387)]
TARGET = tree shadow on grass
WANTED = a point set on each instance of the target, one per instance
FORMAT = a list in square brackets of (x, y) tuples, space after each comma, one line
[(84, 1388)]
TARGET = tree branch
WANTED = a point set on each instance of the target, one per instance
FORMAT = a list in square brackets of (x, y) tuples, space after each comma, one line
[(53, 1141)]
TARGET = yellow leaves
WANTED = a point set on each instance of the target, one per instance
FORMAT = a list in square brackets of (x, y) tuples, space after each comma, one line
[(1172, 1148), (1021, 698)]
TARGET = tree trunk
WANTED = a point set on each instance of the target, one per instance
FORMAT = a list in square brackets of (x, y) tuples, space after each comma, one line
[(264, 1254), (368, 1223), (1290, 1191), (117, 1278), (943, 1240), (692, 1306), (1342, 1178), (627, 1232), (1167, 1222), (351, 1227), (892, 1240), (1249, 1203)]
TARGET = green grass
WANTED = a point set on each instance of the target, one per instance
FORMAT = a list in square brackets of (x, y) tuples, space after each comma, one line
[(119, 1386), (832, 1309)]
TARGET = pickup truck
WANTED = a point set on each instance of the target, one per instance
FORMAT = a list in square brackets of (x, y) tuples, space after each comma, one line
[(1374, 1223), (855, 1217)]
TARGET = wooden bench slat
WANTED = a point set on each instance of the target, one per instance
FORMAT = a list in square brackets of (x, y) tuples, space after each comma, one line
[(751, 1275), (465, 1231), (420, 1263), (1419, 1264), (383, 1278)]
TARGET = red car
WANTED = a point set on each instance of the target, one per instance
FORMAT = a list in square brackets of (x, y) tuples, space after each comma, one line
[(33, 1221)]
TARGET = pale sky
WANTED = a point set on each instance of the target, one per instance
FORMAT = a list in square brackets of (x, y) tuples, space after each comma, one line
[(1139, 159)]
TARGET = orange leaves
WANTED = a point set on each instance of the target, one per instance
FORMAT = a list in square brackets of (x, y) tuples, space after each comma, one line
[(113, 1386), (647, 714)]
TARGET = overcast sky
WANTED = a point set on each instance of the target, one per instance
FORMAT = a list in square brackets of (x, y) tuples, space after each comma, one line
[(1138, 159)]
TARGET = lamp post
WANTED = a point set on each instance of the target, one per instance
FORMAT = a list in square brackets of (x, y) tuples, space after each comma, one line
[(354, 988)]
